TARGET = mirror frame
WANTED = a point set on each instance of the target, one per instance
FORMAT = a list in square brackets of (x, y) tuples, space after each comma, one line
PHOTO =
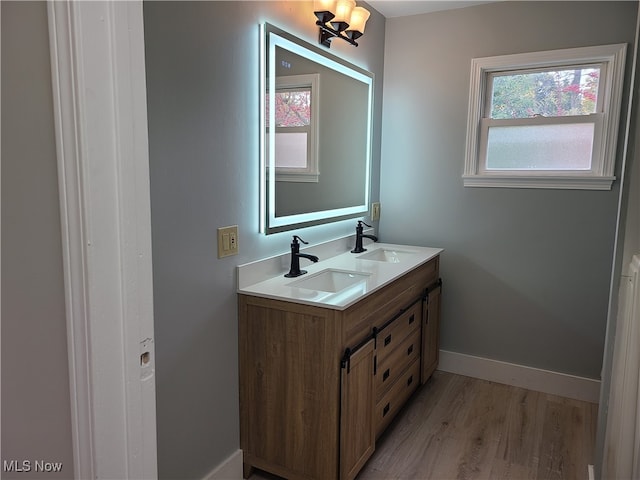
[(270, 38)]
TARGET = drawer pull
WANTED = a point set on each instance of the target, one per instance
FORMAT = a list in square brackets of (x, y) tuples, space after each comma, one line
[(387, 340), (410, 380), (385, 375), (411, 319), (385, 410), (410, 350)]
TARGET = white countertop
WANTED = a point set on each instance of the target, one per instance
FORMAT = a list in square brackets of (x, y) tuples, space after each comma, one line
[(378, 273)]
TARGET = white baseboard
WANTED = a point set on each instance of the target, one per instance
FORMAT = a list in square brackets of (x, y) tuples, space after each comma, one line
[(230, 469), (571, 386)]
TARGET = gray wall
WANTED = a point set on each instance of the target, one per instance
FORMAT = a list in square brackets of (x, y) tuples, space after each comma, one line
[(526, 272), (202, 81), (36, 417)]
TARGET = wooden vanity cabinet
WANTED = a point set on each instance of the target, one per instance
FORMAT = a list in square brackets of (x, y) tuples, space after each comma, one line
[(319, 385)]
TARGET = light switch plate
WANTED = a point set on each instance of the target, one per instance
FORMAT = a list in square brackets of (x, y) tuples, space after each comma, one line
[(227, 241), (375, 211)]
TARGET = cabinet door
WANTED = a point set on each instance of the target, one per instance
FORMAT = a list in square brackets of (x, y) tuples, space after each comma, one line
[(357, 433), (430, 332)]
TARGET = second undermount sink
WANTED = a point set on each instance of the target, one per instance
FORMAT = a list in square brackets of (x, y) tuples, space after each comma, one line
[(386, 255), (330, 280)]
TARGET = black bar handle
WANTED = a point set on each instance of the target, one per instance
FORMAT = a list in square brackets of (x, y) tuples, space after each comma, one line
[(410, 350), (387, 340), (385, 375), (433, 286), (344, 362), (411, 319), (410, 380), (385, 410)]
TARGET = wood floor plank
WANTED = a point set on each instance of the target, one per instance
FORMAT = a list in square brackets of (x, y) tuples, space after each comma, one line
[(469, 429), (519, 448), (462, 428)]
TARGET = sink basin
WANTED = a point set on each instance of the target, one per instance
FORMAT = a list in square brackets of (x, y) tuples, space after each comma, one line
[(386, 255), (330, 280)]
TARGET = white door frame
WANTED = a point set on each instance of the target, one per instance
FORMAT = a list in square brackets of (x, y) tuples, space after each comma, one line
[(98, 75)]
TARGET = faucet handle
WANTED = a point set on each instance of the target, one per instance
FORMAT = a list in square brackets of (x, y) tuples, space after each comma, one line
[(296, 238), (360, 223)]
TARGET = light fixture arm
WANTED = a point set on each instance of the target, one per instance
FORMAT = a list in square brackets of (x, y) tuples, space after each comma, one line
[(327, 33)]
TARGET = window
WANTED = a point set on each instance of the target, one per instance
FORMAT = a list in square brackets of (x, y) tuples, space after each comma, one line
[(295, 117), (545, 119)]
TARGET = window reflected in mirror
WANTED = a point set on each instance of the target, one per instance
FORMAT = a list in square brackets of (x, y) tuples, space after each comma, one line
[(296, 123)]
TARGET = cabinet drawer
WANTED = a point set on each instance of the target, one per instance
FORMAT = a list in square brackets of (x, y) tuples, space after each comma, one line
[(383, 305), (377, 310), (389, 370), (394, 333), (395, 398)]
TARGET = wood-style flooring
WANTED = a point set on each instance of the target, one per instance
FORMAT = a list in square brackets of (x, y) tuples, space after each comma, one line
[(463, 428)]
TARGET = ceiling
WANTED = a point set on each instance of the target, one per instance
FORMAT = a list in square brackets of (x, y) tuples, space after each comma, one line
[(402, 8)]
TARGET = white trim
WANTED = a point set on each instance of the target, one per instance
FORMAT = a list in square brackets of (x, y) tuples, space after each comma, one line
[(546, 381), (230, 469), (622, 435), (98, 78), (73, 238), (604, 144), (516, 181)]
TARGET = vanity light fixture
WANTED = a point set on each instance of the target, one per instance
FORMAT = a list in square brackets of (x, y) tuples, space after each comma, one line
[(340, 18)]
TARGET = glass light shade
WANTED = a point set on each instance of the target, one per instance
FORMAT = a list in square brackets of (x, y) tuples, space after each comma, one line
[(343, 10), (324, 6), (359, 17)]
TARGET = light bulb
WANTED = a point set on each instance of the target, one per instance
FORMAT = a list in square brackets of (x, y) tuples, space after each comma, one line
[(359, 18), (343, 10), (324, 6)]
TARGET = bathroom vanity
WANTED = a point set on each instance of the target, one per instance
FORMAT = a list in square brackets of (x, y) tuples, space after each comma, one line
[(328, 359)]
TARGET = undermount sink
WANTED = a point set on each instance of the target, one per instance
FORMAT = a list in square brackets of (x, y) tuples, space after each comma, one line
[(330, 280), (386, 255)]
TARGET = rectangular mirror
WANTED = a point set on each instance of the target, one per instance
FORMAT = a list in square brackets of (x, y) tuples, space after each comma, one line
[(315, 145)]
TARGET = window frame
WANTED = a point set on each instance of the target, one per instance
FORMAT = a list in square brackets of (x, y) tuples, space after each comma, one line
[(606, 120)]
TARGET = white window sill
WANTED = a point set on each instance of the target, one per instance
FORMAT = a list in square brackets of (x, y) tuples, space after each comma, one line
[(548, 182), (298, 177)]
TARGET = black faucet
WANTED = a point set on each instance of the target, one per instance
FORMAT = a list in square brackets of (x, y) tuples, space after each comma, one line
[(295, 271), (359, 236)]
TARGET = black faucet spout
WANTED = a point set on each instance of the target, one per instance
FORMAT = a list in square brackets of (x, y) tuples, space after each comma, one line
[(313, 258)]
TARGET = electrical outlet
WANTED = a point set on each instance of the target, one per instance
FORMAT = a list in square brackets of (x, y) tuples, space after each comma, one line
[(227, 241), (375, 211)]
